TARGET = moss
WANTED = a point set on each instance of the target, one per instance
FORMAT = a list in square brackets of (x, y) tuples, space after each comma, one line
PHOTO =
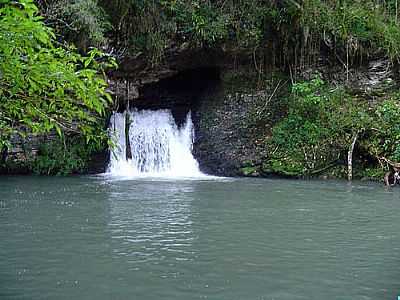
[(371, 173), (250, 171)]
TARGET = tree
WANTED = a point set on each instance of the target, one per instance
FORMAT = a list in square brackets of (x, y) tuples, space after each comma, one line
[(43, 86)]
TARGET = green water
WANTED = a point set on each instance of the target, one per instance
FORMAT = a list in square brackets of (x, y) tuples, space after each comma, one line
[(92, 238)]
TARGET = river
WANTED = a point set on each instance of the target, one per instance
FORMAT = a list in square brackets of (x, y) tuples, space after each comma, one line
[(223, 239)]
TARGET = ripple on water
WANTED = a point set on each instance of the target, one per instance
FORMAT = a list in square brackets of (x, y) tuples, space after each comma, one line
[(91, 238)]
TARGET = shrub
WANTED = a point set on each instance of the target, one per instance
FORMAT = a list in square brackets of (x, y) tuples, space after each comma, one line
[(44, 87)]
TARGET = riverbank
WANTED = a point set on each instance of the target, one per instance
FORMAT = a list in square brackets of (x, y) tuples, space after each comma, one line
[(258, 108)]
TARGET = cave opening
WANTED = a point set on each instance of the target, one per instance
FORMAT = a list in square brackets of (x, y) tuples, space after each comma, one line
[(179, 93)]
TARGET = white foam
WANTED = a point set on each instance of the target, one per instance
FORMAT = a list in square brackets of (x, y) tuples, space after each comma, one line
[(159, 148)]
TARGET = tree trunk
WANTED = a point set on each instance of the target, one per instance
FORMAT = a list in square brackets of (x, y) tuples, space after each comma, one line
[(350, 157), (347, 60), (127, 141), (127, 125)]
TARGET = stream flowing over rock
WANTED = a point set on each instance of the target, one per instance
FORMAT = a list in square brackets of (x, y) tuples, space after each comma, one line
[(230, 115), (149, 143)]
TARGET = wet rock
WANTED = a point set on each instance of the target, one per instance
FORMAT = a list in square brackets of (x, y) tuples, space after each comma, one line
[(227, 134), (16, 158)]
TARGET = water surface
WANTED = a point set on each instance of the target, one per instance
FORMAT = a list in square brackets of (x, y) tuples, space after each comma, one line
[(95, 238)]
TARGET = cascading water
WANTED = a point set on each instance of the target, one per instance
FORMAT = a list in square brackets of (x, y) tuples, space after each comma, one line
[(156, 146)]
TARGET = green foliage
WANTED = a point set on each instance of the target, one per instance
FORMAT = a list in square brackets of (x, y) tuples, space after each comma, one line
[(249, 171), (317, 129), (372, 173), (293, 29), (83, 22), (63, 157), (384, 137), (320, 125), (356, 27), (150, 27), (206, 22), (43, 87), (140, 26), (197, 20)]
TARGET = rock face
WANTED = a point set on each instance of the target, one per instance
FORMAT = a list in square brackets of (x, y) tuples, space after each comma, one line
[(228, 138), (177, 59), (231, 114), (15, 160), (98, 162), (377, 75), (19, 158), (233, 117)]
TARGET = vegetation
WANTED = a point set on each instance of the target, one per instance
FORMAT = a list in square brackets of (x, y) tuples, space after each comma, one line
[(150, 27), (45, 87), (297, 31), (321, 124), (63, 157), (82, 22)]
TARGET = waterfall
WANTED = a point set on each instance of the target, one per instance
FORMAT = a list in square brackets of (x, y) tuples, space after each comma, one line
[(157, 146)]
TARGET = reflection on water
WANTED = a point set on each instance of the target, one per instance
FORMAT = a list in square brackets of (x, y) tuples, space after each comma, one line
[(95, 238), (154, 226)]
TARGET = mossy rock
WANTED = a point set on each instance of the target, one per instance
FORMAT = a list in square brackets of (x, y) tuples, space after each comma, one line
[(250, 171)]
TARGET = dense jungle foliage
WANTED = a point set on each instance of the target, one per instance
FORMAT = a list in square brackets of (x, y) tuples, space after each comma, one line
[(46, 84), (298, 30), (321, 123)]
